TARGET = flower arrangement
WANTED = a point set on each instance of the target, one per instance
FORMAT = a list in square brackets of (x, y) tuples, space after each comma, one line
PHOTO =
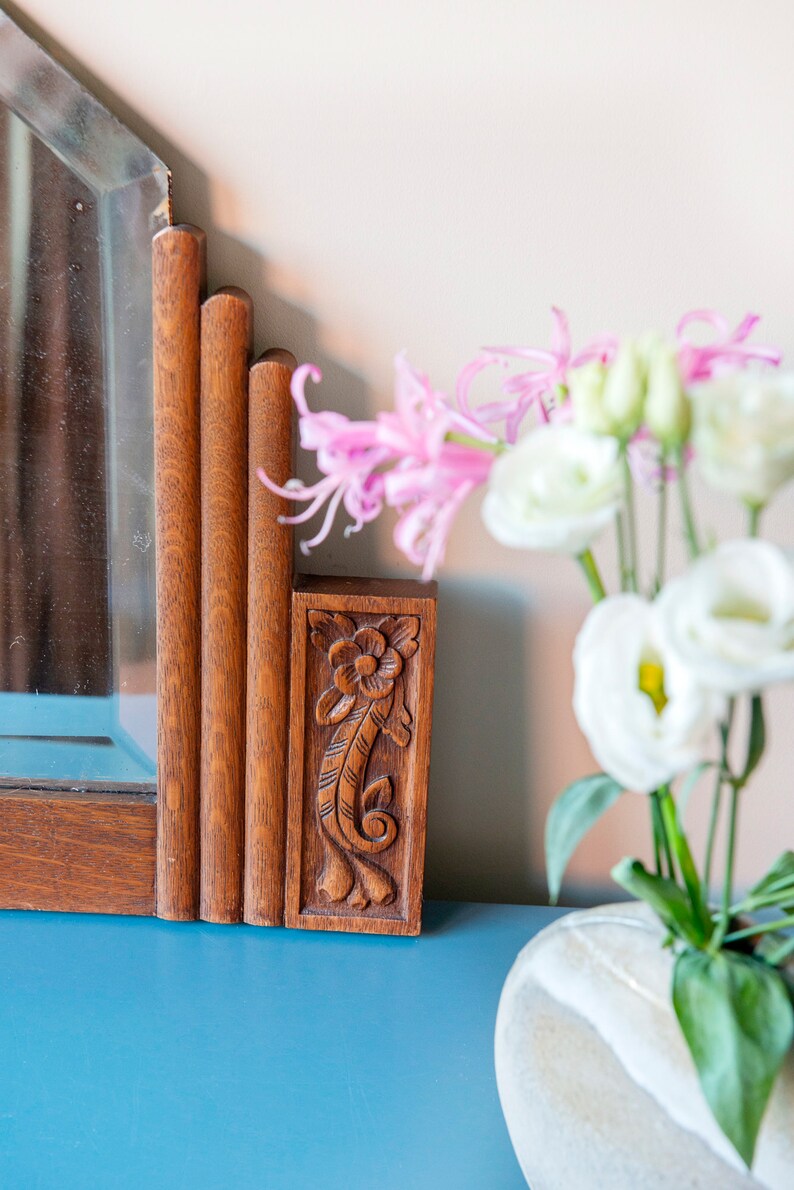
[(659, 669)]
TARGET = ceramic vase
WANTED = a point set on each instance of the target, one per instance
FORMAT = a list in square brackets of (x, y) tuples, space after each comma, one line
[(596, 1083)]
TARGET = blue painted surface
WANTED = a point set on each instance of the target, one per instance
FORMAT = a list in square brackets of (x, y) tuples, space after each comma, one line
[(141, 1054)]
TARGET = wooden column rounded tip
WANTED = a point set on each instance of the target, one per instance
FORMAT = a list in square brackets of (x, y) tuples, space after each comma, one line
[(221, 297), (183, 235), (277, 355), (228, 308), (176, 230)]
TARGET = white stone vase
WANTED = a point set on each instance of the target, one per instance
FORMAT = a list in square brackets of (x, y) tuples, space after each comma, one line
[(597, 1086)]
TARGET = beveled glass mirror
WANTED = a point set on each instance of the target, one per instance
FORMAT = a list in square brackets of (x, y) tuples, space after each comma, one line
[(80, 200)]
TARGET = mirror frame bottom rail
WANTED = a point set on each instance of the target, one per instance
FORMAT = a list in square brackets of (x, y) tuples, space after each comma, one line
[(78, 851)]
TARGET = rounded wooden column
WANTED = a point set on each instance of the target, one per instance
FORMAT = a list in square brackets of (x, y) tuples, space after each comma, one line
[(225, 346), (178, 280)]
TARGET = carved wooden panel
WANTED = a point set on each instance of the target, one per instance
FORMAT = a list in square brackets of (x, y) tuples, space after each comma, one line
[(361, 708)]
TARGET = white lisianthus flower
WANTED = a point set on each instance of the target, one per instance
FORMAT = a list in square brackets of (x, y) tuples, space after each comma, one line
[(744, 434), (556, 490), (644, 715), (730, 617)]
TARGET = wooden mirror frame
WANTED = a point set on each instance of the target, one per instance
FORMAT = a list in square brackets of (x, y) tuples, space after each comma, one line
[(213, 842)]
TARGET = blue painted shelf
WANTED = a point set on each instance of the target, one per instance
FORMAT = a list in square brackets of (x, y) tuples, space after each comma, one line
[(139, 1054)]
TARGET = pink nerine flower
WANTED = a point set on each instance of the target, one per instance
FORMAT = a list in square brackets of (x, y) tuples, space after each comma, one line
[(347, 453), (405, 458), (728, 352), (537, 387), (433, 472)]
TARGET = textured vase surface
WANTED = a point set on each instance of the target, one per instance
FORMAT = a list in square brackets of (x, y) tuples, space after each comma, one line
[(596, 1083)]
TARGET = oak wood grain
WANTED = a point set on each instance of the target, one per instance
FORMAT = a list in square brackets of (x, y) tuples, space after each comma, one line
[(77, 852), (225, 347), (269, 599), (361, 702), (178, 281)]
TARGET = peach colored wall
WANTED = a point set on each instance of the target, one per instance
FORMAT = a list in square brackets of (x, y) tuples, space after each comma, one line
[(432, 175)]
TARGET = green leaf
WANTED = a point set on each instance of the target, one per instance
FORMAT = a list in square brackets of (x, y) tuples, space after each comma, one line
[(757, 740), (779, 877), (776, 949), (572, 815), (667, 899), (738, 1022), (686, 863)]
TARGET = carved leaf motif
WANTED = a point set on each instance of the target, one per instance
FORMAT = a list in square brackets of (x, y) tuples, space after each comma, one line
[(378, 793), (376, 885), (402, 633), (399, 722), (327, 628), (333, 706), (337, 877)]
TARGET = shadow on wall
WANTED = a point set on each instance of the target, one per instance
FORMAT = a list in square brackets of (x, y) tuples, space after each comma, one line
[(479, 811), (479, 806)]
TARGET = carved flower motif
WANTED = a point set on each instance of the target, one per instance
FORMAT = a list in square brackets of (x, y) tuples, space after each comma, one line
[(366, 662)]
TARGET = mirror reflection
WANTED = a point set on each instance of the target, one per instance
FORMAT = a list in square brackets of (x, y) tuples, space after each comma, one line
[(80, 199)]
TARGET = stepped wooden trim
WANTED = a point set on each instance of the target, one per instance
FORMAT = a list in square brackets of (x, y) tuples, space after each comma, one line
[(269, 599), (225, 348), (179, 255)]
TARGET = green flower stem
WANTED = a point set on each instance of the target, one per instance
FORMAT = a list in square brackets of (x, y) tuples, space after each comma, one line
[(767, 927), (495, 448), (683, 854), (754, 519), (779, 893), (727, 889), (783, 952), (658, 833), (591, 573), (690, 531), (631, 522), (723, 775), (661, 530), (716, 805), (658, 797)]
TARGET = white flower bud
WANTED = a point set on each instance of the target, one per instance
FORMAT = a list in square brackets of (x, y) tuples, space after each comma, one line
[(668, 411), (586, 388), (624, 391)]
